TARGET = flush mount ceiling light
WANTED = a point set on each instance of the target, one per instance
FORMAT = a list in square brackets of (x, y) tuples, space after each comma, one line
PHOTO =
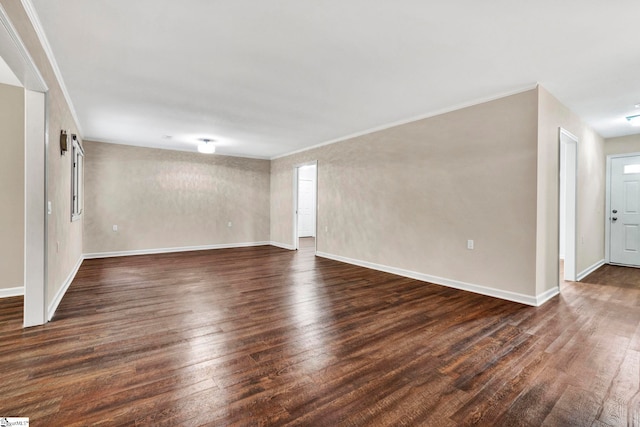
[(206, 146), (634, 120)]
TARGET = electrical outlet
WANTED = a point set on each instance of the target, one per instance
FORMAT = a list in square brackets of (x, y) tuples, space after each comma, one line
[(229, 224), (469, 244)]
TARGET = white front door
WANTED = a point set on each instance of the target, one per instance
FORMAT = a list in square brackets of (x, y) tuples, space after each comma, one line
[(624, 215)]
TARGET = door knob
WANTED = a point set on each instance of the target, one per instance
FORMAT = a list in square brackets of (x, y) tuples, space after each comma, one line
[(615, 211), (614, 219)]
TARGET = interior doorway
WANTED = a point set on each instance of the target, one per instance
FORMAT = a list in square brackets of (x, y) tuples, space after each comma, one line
[(18, 61), (567, 236), (305, 204)]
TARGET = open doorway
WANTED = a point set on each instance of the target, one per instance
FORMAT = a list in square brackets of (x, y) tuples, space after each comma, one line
[(567, 206), (23, 73), (305, 204)]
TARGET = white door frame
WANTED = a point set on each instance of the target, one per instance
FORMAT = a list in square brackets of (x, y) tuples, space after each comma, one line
[(17, 57), (296, 168), (607, 222), (570, 168)]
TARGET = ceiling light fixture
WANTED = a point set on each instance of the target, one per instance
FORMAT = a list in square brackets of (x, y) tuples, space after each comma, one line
[(206, 146), (634, 120)]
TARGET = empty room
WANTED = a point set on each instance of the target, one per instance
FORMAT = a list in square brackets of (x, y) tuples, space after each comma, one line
[(361, 213)]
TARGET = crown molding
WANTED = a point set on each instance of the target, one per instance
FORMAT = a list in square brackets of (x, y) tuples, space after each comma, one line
[(445, 110), (182, 148), (35, 21)]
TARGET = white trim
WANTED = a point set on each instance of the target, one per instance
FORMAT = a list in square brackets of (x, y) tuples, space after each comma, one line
[(169, 250), (12, 292), (28, 73), (296, 183), (37, 25), (568, 134), (607, 207), (63, 290), (77, 178), (18, 58), (589, 270), (283, 246), (570, 169), (478, 289), (35, 218), (547, 295), (445, 110), (294, 234), (184, 149)]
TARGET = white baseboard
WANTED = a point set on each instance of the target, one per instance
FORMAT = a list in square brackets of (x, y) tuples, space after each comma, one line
[(547, 295), (283, 246), (65, 286), (478, 289), (589, 270), (12, 292), (168, 250)]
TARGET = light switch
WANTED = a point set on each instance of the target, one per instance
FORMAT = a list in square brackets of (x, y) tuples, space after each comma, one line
[(49, 210)]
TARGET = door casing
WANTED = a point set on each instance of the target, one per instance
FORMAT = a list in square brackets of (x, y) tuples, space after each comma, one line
[(17, 57), (607, 222), (569, 143), (306, 205), (296, 241)]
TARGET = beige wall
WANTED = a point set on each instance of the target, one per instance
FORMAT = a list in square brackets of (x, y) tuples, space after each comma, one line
[(171, 199), (590, 192), (622, 145), (410, 196), (65, 238), (407, 197), (12, 193)]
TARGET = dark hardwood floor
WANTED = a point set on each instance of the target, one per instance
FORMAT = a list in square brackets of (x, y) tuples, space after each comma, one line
[(265, 336)]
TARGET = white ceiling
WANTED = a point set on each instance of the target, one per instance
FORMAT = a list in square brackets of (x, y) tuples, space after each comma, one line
[(265, 78)]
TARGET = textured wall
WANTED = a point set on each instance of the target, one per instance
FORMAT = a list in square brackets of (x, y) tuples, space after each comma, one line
[(410, 196), (170, 199), (12, 191), (590, 192), (622, 145), (65, 238)]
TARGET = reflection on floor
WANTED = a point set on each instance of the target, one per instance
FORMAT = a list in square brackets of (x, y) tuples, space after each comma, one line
[(267, 336), (609, 275), (615, 275)]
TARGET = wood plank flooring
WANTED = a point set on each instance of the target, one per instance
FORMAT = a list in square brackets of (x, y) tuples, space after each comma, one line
[(265, 336)]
